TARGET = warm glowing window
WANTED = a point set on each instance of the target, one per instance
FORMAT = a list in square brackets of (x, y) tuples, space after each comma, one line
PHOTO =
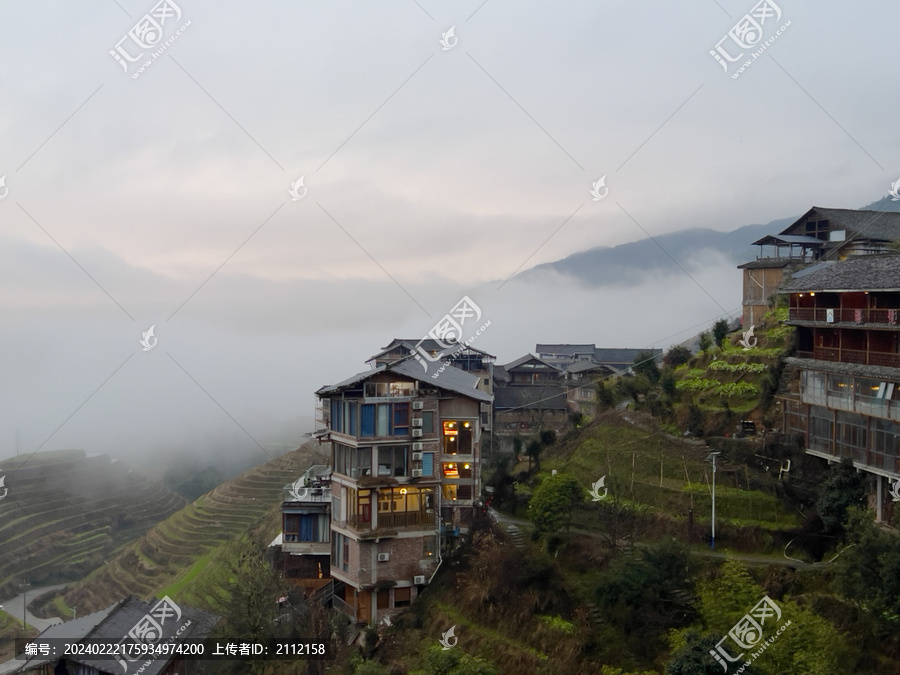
[(458, 437), (451, 470)]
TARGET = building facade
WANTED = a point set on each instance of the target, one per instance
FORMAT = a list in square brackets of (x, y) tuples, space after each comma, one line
[(305, 539), (844, 395), (819, 234), (406, 454)]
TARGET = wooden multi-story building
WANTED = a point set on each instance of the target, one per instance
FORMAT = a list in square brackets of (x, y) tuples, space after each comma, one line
[(819, 234), (305, 540), (844, 396), (406, 453)]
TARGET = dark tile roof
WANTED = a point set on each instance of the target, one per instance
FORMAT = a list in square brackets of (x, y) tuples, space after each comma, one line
[(525, 359), (564, 349), (428, 345), (450, 378), (587, 366), (529, 398), (859, 273), (604, 355), (881, 225), (768, 263), (787, 239), (114, 623)]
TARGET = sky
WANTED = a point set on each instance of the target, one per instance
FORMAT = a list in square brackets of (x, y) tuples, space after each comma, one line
[(442, 149)]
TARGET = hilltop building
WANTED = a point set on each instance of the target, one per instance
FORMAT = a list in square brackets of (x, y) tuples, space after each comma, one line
[(843, 396), (819, 234), (406, 460)]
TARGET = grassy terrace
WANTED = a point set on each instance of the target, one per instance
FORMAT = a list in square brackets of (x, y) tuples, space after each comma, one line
[(65, 512), (192, 544)]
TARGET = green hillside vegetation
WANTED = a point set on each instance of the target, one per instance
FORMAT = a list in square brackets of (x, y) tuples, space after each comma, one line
[(176, 555), (66, 511), (727, 383)]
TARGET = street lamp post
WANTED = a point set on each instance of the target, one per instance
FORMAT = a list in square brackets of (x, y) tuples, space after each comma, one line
[(712, 457), (24, 604)]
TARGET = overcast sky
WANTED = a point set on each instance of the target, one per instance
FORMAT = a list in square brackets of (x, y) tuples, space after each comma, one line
[(429, 171)]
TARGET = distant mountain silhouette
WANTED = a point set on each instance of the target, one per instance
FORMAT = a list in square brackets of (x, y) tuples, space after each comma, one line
[(632, 263)]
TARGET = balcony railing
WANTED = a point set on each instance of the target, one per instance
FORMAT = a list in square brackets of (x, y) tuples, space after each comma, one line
[(852, 356), (889, 317)]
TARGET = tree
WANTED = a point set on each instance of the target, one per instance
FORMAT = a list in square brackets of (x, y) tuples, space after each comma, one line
[(667, 383), (706, 341), (844, 488), (645, 363), (548, 438), (693, 657), (676, 356), (606, 395), (533, 450), (868, 569), (550, 508), (517, 446), (719, 331)]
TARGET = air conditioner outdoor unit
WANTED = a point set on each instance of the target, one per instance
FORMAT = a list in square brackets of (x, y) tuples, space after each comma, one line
[(829, 315), (417, 433), (419, 581), (417, 473), (417, 456), (417, 422), (417, 405), (384, 557), (417, 446)]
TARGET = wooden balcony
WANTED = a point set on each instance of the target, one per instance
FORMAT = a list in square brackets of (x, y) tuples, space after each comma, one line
[(888, 317), (864, 358)]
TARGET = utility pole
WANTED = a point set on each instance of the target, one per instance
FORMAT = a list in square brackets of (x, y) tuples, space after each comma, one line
[(712, 457), (24, 588)]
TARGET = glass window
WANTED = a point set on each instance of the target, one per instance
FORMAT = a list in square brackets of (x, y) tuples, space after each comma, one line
[(383, 420), (392, 461), (429, 546), (401, 419), (367, 420), (427, 422), (402, 597)]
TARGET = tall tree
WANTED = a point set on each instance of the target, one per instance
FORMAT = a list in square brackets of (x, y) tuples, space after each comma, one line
[(719, 331), (645, 363), (844, 488), (550, 508)]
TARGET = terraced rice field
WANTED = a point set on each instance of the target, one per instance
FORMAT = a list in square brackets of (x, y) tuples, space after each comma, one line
[(188, 546), (65, 512)]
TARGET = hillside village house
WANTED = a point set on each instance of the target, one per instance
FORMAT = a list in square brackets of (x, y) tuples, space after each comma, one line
[(303, 548), (845, 395), (819, 234), (406, 453), (564, 355)]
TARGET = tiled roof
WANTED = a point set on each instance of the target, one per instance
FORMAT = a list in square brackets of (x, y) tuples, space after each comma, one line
[(529, 398), (525, 359), (113, 624), (450, 378), (859, 273)]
